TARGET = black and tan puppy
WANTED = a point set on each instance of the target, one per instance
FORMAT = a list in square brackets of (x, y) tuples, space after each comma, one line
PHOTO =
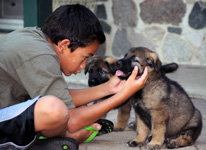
[(101, 69), (162, 106)]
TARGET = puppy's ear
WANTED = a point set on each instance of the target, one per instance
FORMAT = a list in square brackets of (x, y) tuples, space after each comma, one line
[(169, 67), (112, 67), (86, 69), (154, 62), (111, 63), (89, 63)]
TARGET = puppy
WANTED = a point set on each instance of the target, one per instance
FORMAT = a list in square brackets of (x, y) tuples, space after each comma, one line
[(101, 69), (162, 107)]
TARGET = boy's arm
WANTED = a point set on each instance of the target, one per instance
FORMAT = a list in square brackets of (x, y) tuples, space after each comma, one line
[(84, 96)]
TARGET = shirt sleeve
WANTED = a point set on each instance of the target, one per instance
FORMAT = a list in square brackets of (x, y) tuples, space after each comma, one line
[(42, 76)]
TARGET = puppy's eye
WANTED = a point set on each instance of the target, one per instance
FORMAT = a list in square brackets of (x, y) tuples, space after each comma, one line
[(134, 59), (150, 62), (91, 70), (102, 71)]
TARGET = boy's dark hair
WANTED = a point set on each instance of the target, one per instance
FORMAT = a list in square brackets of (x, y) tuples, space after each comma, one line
[(76, 23)]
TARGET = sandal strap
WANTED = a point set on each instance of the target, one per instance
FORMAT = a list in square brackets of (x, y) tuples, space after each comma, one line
[(95, 132)]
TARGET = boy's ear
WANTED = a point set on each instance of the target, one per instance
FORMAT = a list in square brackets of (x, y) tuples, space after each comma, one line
[(63, 45)]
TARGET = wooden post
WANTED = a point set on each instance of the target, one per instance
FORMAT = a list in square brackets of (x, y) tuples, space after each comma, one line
[(36, 11)]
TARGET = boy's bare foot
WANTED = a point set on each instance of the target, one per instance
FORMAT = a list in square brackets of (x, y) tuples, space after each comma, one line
[(83, 134)]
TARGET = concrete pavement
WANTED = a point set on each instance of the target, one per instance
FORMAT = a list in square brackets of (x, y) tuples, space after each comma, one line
[(192, 79)]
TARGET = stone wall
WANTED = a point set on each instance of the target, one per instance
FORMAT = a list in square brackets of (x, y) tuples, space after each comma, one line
[(175, 29)]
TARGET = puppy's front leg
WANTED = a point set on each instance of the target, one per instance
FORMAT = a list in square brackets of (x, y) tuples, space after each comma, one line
[(159, 118), (142, 133), (123, 116)]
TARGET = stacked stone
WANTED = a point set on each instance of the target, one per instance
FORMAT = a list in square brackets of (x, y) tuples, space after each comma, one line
[(175, 29)]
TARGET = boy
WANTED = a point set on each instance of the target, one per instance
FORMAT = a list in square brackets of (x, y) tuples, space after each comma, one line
[(31, 63)]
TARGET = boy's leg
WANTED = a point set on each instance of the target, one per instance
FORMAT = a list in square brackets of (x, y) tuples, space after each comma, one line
[(51, 116), (17, 125)]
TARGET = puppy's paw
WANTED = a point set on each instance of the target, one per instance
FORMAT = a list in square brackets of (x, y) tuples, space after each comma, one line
[(134, 144), (153, 147), (170, 144)]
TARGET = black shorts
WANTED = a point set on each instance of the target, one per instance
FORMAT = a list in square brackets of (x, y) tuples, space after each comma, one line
[(17, 125)]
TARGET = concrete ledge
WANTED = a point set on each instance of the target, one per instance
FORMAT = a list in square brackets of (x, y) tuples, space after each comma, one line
[(191, 78)]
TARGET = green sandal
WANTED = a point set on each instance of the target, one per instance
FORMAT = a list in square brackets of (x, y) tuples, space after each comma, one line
[(106, 127)]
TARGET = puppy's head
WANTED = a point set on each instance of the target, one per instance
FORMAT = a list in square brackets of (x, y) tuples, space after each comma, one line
[(100, 69), (140, 57)]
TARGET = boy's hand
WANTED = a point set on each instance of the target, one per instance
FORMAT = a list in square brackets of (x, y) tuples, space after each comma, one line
[(134, 83)]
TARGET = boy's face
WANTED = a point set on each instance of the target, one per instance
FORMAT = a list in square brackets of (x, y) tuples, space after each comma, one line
[(73, 62)]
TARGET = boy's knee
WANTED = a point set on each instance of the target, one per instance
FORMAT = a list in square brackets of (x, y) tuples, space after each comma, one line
[(55, 109)]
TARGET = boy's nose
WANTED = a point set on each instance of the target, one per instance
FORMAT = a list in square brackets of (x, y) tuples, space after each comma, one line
[(83, 65)]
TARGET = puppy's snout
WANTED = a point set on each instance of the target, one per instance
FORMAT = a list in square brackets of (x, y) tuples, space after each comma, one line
[(119, 63), (92, 82)]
